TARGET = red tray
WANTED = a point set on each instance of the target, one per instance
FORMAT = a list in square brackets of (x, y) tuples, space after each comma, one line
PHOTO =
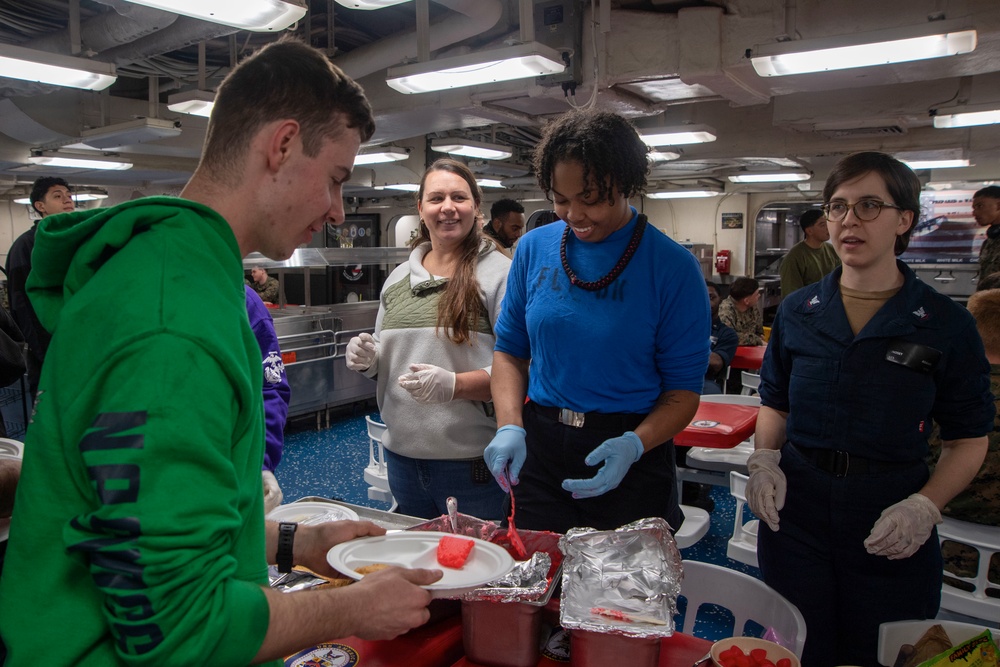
[(432, 645), (719, 425)]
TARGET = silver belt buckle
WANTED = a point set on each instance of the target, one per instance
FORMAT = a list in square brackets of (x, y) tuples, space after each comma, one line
[(571, 418)]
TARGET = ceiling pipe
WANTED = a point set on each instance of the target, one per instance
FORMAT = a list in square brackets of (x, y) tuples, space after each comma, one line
[(127, 23), (184, 32), (474, 18)]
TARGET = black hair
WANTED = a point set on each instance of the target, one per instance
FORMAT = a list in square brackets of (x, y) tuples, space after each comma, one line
[(715, 286), (810, 218), (991, 191), (992, 281), (41, 187), (604, 143), (503, 207), (743, 287), (902, 184)]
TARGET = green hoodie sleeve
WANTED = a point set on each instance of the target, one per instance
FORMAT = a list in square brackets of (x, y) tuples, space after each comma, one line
[(164, 538)]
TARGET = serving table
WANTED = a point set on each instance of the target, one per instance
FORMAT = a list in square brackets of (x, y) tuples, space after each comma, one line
[(439, 642), (679, 650)]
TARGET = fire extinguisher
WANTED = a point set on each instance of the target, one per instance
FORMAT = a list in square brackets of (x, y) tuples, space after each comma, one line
[(722, 261)]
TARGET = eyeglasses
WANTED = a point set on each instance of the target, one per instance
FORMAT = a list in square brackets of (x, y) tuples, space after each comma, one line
[(865, 210)]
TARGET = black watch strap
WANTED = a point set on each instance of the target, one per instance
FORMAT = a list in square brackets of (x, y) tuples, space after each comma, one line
[(286, 539)]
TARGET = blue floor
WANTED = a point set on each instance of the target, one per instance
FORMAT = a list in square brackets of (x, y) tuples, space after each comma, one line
[(329, 463)]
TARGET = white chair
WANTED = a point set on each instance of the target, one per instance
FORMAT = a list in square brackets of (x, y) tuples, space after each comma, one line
[(986, 541), (747, 598), (751, 381), (892, 636), (696, 524), (742, 546), (377, 472)]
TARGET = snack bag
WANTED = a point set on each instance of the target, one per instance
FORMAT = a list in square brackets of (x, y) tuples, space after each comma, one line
[(980, 651)]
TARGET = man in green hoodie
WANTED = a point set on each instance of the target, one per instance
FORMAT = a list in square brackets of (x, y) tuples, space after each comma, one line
[(138, 534)]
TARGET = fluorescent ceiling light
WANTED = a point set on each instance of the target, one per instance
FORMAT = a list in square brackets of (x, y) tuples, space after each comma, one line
[(408, 187), (487, 168), (469, 148), (129, 133), (968, 115), (88, 193), (935, 39), (512, 62), (79, 162), (683, 194), (771, 177), (677, 135), (381, 155), (194, 102), (23, 200), (489, 183), (369, 4), (662, 156), (30, 65), (935, 164), (255, 15)]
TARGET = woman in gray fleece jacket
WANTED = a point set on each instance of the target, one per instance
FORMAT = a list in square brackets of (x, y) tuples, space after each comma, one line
[(431, 353)]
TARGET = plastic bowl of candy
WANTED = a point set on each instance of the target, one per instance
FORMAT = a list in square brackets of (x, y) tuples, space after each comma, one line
[(755, 652)]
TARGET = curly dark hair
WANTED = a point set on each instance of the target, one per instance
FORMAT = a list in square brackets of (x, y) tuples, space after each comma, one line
[(41, 187), (502, 207), (604, 143)]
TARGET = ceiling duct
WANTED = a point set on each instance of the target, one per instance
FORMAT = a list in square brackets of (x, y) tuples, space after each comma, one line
[(474, 18), (865, 132), (125, 24)]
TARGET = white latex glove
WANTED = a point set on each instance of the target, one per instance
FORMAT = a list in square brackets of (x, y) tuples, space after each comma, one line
[(767, 485), (361, 353), (903, 528), (272, 492), (429, 384)]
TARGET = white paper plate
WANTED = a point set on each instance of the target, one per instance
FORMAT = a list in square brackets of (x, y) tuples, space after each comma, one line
[(312, 512), (418, 548)]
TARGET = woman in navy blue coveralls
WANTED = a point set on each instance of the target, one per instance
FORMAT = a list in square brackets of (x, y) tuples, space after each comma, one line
[(856, 368)]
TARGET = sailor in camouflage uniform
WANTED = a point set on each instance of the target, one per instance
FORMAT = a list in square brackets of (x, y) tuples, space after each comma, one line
[(980, 502)]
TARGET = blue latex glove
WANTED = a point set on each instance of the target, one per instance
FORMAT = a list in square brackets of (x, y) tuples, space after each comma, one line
[(507, 446), (618, 455)]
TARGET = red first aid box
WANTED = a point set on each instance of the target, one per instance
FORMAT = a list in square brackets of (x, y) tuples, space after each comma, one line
[(718, 425)]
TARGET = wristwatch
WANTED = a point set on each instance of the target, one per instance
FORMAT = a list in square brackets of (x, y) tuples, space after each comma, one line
[(286, 538)]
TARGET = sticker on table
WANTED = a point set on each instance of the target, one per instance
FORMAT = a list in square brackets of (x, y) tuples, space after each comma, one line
[(324, 655), (557, 646), (705, 423)]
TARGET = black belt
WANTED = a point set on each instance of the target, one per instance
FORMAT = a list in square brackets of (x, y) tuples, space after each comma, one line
[(841, 464), (605, 421)]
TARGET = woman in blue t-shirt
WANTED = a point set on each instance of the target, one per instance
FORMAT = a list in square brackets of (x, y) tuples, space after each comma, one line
[(612, 317)]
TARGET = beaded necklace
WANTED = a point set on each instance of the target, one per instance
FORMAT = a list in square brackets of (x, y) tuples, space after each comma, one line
[(596, 285)]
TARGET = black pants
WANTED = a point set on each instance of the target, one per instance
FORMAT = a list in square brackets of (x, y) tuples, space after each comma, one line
[(817, 560), (556, 452)]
